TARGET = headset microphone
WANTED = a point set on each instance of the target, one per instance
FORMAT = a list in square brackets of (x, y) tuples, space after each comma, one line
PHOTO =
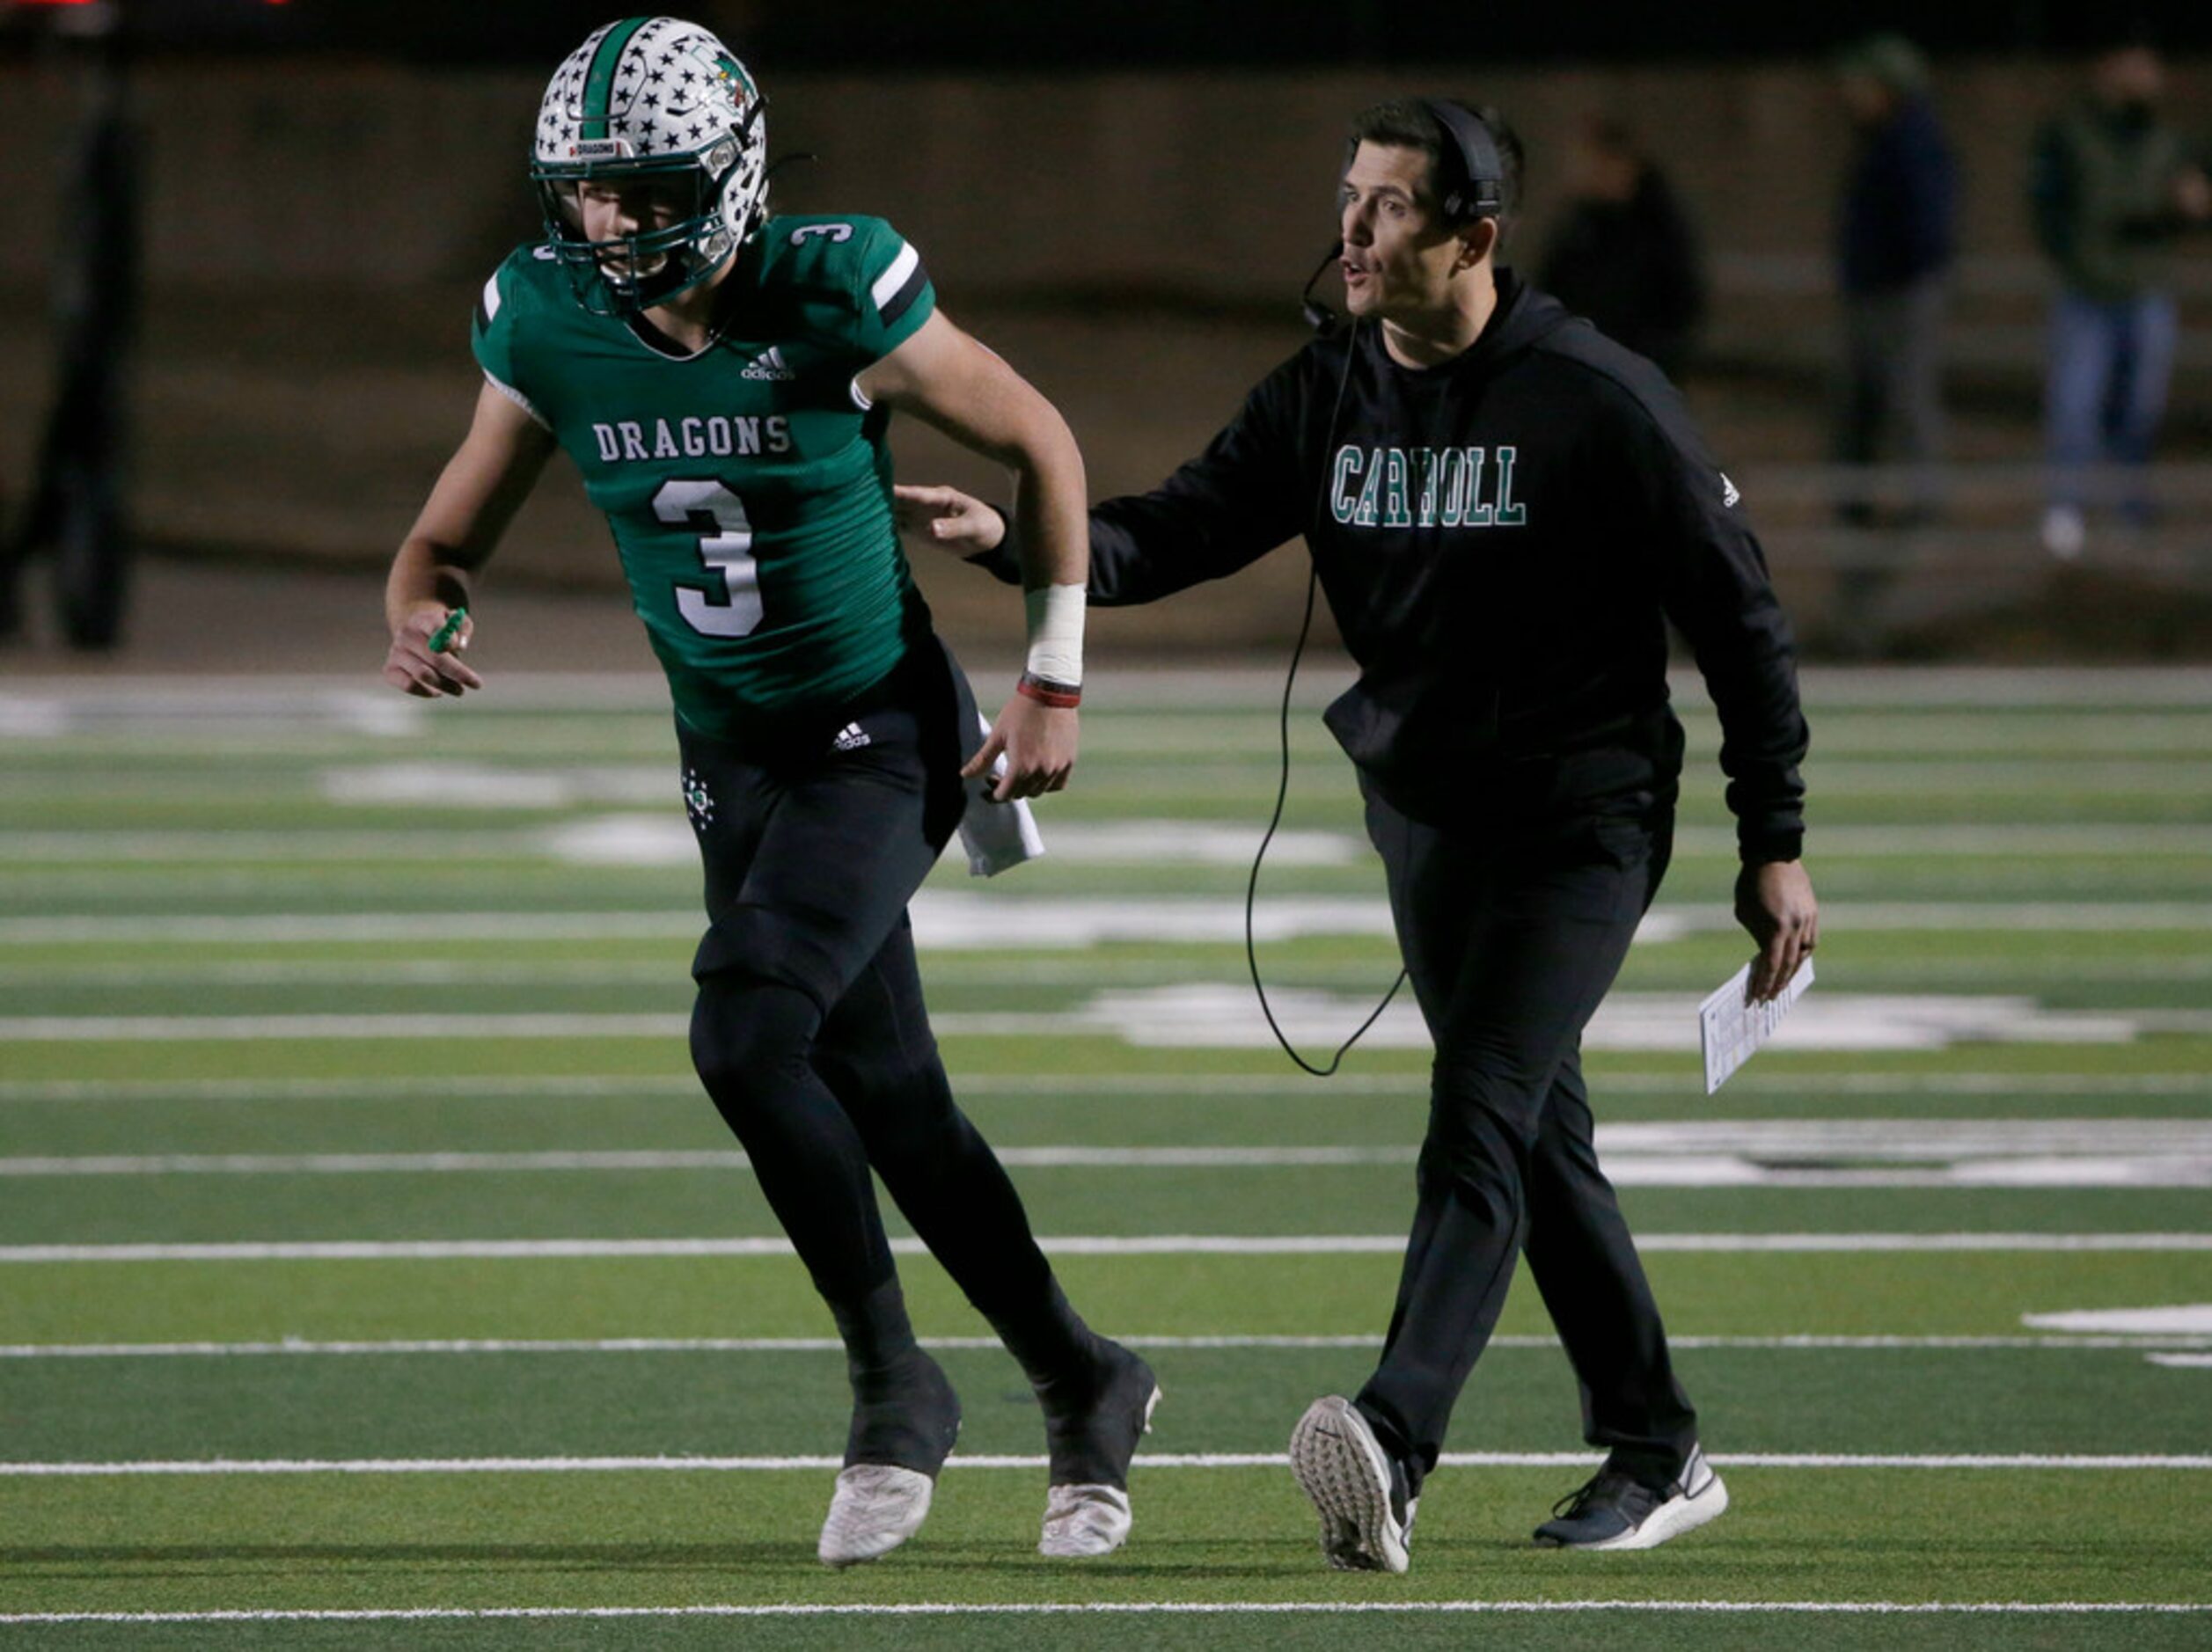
[(1318, 315), (1323, 319), (1477, 191)]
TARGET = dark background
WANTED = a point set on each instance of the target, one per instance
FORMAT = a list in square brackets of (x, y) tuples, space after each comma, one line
[(1123, 200), (892, 34)]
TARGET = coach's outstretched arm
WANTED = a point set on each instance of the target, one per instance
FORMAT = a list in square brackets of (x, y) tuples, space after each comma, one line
[(946, 378), (477, 495), (1228, 507)]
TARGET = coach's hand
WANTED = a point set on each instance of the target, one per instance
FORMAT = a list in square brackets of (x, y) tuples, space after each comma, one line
[(413, 666), (1775, 902), (1039, 744), (961, 523)]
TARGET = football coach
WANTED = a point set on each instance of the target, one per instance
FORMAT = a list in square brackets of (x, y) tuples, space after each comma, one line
[(1505, 509)]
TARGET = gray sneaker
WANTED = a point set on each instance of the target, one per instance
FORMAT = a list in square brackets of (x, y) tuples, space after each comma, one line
[(1611, 1511), (1356, 1486)]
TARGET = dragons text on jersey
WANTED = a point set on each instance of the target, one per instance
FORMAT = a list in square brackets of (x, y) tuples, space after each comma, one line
[(747, 483), (646, 439)]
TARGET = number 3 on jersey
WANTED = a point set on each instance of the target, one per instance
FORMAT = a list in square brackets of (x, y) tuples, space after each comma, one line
[(733, 607)]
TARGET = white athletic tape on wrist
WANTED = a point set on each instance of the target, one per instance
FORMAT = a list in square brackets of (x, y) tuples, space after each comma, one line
[(1055, 633)]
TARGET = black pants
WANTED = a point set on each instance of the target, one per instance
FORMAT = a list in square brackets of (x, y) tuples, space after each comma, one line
[(1510, 946), (809, 1030)]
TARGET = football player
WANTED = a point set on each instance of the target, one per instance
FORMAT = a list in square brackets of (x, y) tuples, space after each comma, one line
[(723, 378)]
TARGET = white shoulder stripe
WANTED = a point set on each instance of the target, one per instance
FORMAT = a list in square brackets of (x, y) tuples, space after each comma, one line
[(517, 397), (890, 281), (491, 296)]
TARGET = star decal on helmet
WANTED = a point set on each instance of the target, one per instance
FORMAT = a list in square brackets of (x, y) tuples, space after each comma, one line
[(664, 95)]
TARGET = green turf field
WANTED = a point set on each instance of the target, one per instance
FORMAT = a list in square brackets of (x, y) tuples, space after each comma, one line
[(373, 1274)]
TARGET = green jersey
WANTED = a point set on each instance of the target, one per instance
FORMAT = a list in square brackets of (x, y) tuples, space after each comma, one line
[(748, 485)]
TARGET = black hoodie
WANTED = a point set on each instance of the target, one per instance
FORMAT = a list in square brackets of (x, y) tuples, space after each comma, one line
[(1502, 538)]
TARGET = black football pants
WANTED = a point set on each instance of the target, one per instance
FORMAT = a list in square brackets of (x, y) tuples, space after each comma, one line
[(1509, 947), (809, 1030)]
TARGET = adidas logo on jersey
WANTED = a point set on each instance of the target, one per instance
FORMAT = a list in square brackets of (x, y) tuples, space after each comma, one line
[(768, 364), (851, 737), (1729, 493)]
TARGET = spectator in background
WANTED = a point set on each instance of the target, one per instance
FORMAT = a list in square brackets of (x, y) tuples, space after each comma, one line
[(1622, 253), (2111, 186), (1895, 244), (76, 510)]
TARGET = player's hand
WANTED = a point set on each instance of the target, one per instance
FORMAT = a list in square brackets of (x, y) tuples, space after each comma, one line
[(413, 666), (1039, 744), (1775, 902), (962, 523)]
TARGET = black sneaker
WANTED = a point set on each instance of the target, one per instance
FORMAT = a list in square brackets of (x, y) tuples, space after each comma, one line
[(1612, 1511), (1091, 1430), (1360, 1490)]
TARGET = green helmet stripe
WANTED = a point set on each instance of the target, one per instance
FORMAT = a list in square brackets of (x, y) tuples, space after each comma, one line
[(598, 85)]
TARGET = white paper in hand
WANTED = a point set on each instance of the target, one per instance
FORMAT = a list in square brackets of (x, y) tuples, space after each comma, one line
[(997, 836), (1729, 1029)]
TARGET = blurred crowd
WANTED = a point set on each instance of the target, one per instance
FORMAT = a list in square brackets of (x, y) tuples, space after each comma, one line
[(2113, 186), (2116, 184)]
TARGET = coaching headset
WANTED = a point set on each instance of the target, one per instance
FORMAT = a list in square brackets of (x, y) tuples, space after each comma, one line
[(1471, 183), (1471, 180)]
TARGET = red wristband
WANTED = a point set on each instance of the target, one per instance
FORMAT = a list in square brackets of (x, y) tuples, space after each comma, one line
[(1063, 696)]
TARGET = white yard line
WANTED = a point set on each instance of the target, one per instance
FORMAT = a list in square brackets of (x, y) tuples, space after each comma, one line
[(1142, 1244), (224, 1467), (1047, 1085), (950, 919), (658, 839), (1875, 771), (110, 1029), (454, 1088), (664, 838), (428, 972), (324, 928), (949, 970), (703, 1160), (2010, 972), (372, 1164), (1239, 764), (306, 846), (1205, 1016), (465, 1347), (2072, 690), (1900, 1152), (1140, 1608)]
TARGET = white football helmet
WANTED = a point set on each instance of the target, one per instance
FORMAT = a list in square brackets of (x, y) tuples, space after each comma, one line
[(662, 99)]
